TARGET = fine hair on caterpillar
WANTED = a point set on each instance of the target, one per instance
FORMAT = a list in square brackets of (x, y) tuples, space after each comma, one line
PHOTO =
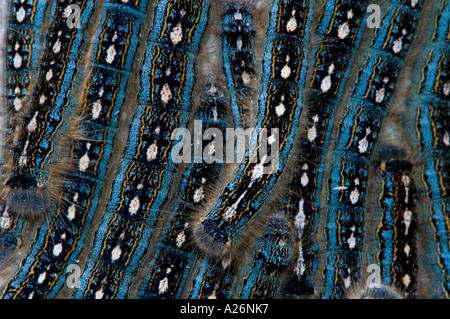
[(22, 54), (199, 179), (215, 249), (131, 219), (218, 272), (241, 201), (237, 38), (231, 263), (274, 250), (30, 197), (7, 264), (31, 200), (219, 251), (375, 292)]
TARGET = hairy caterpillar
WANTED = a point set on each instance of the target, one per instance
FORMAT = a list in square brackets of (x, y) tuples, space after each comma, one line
[(89, 149), (358, 131), (279, 108), (138, 195)]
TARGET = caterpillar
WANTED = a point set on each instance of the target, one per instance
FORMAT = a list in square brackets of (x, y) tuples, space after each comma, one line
[(432, 128), (242, 199), (397, 256), (272, 256), (175, 251), (238, 41), (27, 189), (25, 22), (357, 206)]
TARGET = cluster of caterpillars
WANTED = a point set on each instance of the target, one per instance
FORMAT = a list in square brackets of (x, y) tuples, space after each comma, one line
[(94, 91)]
